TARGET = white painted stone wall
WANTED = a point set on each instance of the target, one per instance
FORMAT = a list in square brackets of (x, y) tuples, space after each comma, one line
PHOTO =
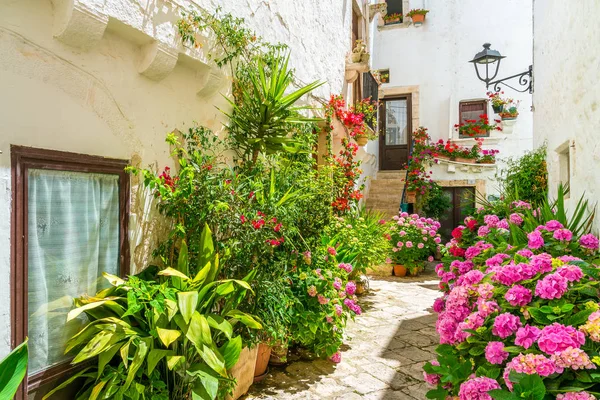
[(115, 79), (435, 58), (566, 98)]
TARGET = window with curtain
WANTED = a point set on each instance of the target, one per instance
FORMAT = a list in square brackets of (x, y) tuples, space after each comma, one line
[(71, 212), (73, 237), (471, 110)]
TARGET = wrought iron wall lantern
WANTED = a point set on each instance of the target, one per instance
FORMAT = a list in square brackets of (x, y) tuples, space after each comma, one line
[(488, 61)]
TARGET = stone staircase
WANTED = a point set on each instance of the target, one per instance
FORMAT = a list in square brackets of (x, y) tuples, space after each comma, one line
[(385, 192)]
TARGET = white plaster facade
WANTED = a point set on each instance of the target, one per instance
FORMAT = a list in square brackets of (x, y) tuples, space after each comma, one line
[(109, 78), (566, 98), (431, 62)]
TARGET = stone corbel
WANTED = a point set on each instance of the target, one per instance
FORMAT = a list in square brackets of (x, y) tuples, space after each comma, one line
[(374, 9), (157, 60), (215, 82), (77, 24), (353, 70)]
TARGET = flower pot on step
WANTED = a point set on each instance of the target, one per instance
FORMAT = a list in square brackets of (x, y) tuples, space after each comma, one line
[(279, 353), (262, 362), (399, 270), (243, 372)]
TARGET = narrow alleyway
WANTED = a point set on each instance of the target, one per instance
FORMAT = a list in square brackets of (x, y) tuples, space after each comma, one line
[(383, 359)]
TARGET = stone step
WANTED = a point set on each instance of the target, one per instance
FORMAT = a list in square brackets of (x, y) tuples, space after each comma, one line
[(384, 197), (391, 175), (383, 188)]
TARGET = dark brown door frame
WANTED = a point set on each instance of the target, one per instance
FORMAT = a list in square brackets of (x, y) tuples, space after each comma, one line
[(23, 158), (383, 122)]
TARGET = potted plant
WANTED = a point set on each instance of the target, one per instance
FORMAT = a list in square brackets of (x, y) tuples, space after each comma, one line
[(414, 269), (394, 18), (360, 116), (497, 101), (511, 111), (414, 240), (385, 77), (477, 127), (488, 156), (359, 52), (417, 15)]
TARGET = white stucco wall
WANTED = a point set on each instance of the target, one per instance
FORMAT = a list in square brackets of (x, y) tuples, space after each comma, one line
[(566, 98), (434, 58), (84, 93)]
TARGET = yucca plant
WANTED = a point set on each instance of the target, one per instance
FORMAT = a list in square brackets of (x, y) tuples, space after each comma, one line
[(262, 112), (12, 371), (171, 335)]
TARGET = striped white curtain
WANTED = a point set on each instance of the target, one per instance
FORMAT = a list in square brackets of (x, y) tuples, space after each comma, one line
[(73, 236)]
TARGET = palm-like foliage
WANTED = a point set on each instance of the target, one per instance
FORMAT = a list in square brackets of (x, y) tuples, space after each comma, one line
[(262, 112), (173, 330), (12, 371)]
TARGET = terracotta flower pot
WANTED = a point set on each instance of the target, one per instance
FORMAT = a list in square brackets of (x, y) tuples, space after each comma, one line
[(392, 21), (279, 353), (243, 372), (361, 140), (262, 361), (465, 160), (399, 270), (418, 19), (442, 157), (411, 196), (360, 288)]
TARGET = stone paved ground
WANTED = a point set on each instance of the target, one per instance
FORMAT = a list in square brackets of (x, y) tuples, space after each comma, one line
[(388, 345)]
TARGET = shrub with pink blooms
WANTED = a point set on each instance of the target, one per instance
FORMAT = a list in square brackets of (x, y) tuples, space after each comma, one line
[(520, 313), (414, 240)]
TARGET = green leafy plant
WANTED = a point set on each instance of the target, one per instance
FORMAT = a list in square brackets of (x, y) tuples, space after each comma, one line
[(526, 177), (391, 17), (12, 371), (261, 116), (417, 11), (435, 202), (163, 327)]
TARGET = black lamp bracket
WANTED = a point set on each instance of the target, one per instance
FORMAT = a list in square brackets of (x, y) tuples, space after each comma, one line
[(525, 80)]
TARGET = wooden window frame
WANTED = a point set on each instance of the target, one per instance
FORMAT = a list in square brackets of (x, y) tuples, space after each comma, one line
[(23, 158), (485, 105)]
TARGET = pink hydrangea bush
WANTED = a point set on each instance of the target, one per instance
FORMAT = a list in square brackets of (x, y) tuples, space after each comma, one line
[(519, 309), (414, 240)]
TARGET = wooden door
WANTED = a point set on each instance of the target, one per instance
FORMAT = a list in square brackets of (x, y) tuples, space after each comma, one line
[(463, 205), (395, 133)]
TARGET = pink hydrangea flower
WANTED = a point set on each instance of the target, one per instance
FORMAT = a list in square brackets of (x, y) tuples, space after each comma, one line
[(592, 327), (438, 305), (552, 286), (589, 241), (312, 291), (525, 253), (502, 224), (572, 273), (352, 306), (564, 235), (322, 299), (527, 336), (505, 325), (336, 357), (432, 379), (338, 310), (438, 240), (346, 267), (518, 296), (529, 364), (557, 337), (553, 225), (477, 389), (496, 260), (337, 283), (483, 230), (487, 308), (491, 220), (350, 288), (494, 352), (575, 396), (470, 278), (573, 358), (542, 262), (535, 240), (485, 291), (516, 218)]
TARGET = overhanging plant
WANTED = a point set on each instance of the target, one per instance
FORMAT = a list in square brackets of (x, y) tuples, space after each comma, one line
[(12, 371), (164, 330)]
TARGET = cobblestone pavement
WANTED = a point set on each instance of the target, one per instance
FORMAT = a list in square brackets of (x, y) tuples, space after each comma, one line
[(383, 357)]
